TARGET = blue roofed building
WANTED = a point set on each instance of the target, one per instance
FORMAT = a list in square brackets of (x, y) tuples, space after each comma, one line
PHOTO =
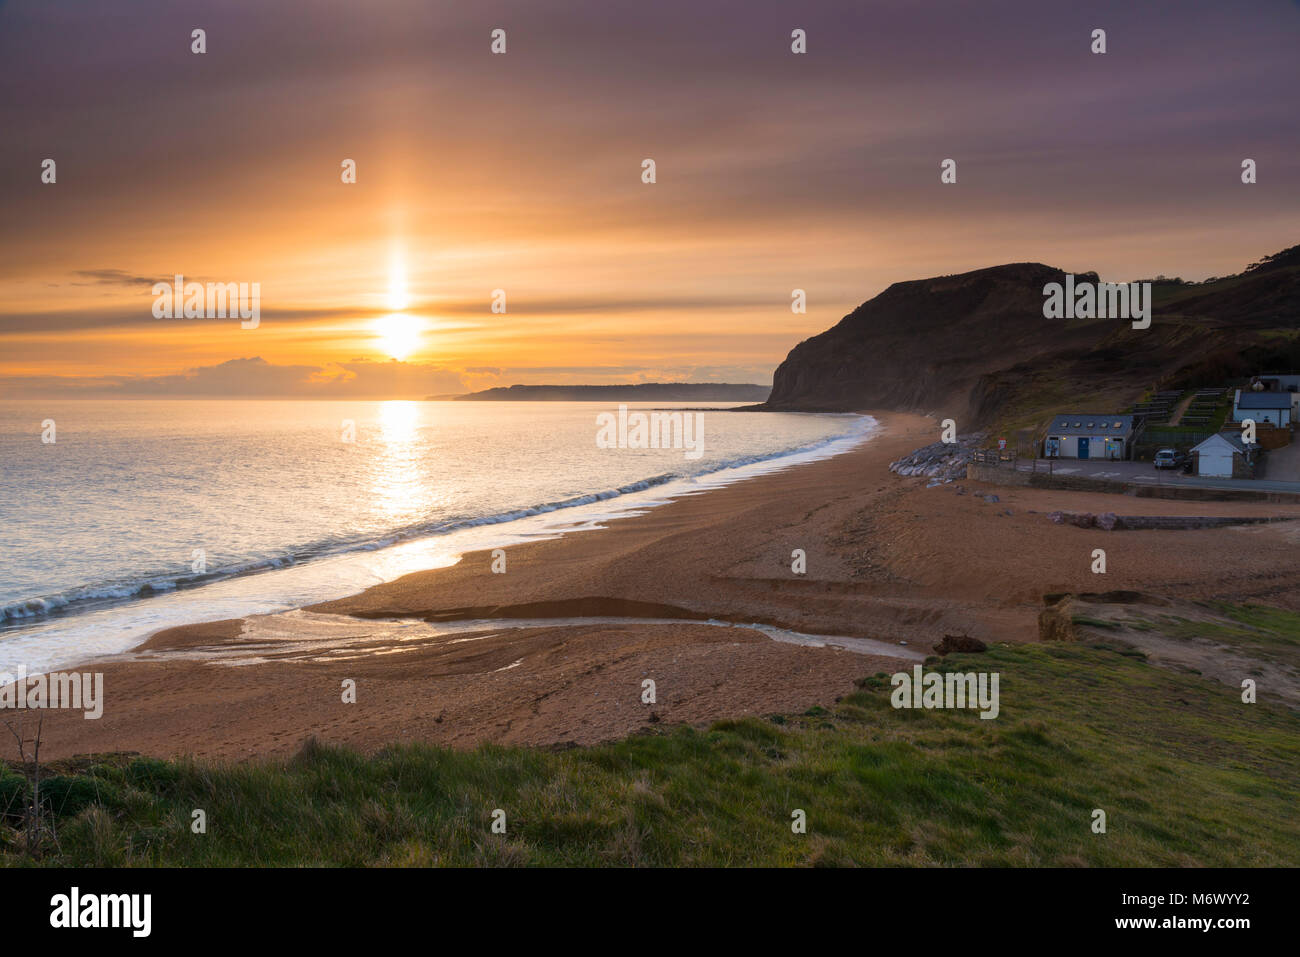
[(1272, 407), (1090, 435)]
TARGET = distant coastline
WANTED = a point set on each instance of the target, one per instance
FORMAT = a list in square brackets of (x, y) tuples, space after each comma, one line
[(642, 392)]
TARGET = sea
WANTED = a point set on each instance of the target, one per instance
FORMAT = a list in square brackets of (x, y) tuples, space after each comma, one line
[(120, 518)]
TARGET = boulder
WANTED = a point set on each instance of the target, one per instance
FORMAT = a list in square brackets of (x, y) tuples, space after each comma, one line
[(959, 643)]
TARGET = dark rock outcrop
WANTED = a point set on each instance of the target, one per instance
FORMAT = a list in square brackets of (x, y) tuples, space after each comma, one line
[(959, 643), (976, 346), (922, 345)]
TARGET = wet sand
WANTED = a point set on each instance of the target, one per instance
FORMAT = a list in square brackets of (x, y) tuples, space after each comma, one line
[(886, 558)]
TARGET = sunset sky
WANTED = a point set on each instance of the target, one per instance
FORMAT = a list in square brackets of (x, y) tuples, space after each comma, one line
[(522, 172)]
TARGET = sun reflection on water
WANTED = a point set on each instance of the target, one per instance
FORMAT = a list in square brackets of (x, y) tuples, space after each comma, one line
[(400, 491)]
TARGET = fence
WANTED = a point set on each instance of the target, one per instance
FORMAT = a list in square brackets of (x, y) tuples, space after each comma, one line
[(1153, 438), (996, 456)]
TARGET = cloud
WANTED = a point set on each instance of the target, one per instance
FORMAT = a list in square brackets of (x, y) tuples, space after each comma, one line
[(112, 277), (364, 377), (253, 377), (65, 320)]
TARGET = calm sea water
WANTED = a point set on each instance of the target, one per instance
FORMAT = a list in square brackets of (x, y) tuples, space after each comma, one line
[(144, 514)]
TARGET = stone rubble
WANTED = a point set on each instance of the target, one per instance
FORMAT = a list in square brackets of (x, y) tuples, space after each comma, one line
[(940, 462)]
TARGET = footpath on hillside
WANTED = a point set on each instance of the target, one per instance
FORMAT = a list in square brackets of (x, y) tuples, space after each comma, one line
[(1181, 409)]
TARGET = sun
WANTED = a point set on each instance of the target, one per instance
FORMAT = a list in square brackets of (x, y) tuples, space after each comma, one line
[(398, 334)]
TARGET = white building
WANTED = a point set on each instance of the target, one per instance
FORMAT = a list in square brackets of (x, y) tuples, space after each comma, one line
[(1089, 435), (1223, 455), (1272, 407), (1283, 382)]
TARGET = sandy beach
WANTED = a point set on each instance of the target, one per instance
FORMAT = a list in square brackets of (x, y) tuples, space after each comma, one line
[(887, 559)]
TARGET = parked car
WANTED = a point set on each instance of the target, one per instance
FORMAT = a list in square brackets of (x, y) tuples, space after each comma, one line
[(1170, 459)]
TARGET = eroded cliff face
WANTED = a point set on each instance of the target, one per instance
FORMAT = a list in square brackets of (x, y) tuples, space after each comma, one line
[(975, 345), (924, 345)]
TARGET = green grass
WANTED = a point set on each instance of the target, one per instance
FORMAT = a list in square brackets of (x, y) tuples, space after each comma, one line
[(1136, 623), (1094, 622), (1259, 629), (1186, 773)]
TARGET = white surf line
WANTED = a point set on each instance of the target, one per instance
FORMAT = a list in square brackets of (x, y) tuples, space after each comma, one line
[(100, 633), (300, 633)]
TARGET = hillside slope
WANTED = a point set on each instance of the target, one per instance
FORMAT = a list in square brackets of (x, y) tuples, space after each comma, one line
[(976, 346)]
